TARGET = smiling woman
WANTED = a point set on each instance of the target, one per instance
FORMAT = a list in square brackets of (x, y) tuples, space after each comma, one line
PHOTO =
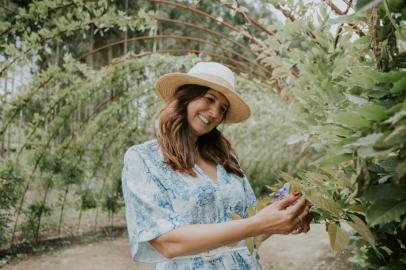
[(182, 188)]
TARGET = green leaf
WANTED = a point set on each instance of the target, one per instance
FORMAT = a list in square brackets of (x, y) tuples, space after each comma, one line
[(348, 141), (366, 146), (316, 177), (356, 100), (384, 179), (297, 138), (389, 165), (339, 238), (401, 169), (351, 119), (396, 117), (373, 112), (258, 241), (399, 86), (367, 140), (250, 244), (319, 201), (362, 229), (251, 211), (391, 77), (335, 160), (383, 211), (403, 224), (366, 152), (398, 135), (362, 5), (387, 250), (385, 191), (235, 216), (358, 208)]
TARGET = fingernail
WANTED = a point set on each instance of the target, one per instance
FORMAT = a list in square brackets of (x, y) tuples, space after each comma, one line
[(296, 193)]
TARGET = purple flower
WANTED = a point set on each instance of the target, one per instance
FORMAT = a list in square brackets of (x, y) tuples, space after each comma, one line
[(282, 193)]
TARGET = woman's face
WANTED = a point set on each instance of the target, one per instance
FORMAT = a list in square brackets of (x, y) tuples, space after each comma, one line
[(206, 112)]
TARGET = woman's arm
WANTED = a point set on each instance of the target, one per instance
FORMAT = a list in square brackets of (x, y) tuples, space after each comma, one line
[(196, 238)]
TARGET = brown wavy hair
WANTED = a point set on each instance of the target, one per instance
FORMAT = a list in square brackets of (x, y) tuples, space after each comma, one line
[(175, 138)]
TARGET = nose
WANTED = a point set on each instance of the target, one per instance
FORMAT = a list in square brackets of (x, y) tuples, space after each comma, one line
[(215, 113)]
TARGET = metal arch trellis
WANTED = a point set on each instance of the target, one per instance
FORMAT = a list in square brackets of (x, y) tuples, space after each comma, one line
[(247, 36), (260, 83), (229, 26), (209, 31), (196, 39), (247, 17), (202, 13), (187, 50)]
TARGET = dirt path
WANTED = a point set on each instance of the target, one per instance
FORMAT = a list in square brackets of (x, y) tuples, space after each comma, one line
[(300, 252)]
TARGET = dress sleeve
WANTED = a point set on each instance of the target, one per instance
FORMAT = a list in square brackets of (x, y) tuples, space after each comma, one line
[(249, 193), (149, 211)]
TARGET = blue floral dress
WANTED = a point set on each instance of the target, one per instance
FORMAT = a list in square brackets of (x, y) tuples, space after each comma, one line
[(159, 199)]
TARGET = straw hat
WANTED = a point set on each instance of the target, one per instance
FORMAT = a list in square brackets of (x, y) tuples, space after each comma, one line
[(211, 74)]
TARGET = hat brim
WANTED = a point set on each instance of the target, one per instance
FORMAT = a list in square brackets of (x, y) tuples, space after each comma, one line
[(169, 83)]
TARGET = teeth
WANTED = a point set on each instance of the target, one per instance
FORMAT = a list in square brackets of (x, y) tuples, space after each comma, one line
[(204, 119)]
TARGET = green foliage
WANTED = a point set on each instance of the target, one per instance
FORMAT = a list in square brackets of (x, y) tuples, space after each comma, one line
[(339, 238), (356, 106), (11, 181), (88, 200), (33, 214), (384, 211), (352, 100), (111, 203), (41, 25), (367, 4)]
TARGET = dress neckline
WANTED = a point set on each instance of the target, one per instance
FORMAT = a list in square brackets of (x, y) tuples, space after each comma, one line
[(202, 172)]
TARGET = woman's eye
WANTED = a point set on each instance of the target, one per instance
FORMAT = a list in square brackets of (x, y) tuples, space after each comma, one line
[(211, 99)]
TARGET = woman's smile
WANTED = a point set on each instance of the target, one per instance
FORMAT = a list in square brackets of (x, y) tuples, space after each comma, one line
[(203, 118)]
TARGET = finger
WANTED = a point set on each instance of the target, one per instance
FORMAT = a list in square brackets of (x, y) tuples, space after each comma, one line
[(306, 213), (306, 228), (295, 231), (309, 217), (286, 202), (298, 208)]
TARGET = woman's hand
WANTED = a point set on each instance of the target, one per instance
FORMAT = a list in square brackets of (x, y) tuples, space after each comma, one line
[(304, 224), (279, 218)]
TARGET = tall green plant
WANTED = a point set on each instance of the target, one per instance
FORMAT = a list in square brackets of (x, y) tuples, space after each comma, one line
[(351, 90)]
